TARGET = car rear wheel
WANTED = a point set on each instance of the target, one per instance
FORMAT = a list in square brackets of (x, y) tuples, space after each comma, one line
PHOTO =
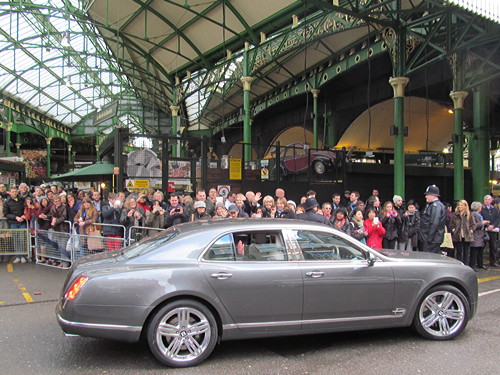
[(319, 167), (182, 333), (442, 314)]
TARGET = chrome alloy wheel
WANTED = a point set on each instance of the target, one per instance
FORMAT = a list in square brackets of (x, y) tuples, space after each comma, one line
[(442, 314), (183, 334)]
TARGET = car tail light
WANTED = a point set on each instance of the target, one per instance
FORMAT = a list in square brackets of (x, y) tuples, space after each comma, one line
[(75, 287)]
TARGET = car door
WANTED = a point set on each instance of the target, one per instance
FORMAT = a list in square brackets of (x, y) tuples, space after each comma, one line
[(255, 280), (341, 288), (296, 158)]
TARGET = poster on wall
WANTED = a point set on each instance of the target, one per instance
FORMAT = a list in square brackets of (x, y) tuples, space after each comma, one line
[(35, 162)]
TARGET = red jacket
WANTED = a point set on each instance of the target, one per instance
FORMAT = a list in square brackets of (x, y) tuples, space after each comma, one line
[(375, 234)]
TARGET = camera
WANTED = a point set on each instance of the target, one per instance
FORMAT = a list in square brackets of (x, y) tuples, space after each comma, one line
[(177, 210)]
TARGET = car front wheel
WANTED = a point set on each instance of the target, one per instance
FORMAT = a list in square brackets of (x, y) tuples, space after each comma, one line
[(182, 333), (442, 314)]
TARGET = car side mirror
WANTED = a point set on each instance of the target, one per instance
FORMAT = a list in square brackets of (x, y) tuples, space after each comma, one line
[(371, 259)]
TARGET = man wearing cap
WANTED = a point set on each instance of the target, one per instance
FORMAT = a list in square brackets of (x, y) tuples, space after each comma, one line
[(311, 206), (233, 211), (200, 213), (432, 222)]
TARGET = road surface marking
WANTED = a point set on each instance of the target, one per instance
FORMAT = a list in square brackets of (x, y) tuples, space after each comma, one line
[(10, 268), (488, 292), (488, 279), (27, 297)]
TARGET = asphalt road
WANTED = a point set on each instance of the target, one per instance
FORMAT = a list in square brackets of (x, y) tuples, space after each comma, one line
[(31, 342)]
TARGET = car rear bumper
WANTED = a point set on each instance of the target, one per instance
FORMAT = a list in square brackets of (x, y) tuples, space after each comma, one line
[(107, 331)]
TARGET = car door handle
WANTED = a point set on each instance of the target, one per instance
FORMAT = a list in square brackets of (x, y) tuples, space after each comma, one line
[(222, 275), (315, 274)]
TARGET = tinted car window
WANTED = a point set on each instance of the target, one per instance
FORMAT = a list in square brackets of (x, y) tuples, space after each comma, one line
[(325, 246), (222, 249), (248, 246)]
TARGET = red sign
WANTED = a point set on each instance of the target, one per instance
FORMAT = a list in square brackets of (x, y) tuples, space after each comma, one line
[(171, 188)]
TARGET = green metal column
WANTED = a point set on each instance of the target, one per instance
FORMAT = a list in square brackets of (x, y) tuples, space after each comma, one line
[(247, 82), (458, 145), (481, 160), (48, 140), (315, 93), (398, 85), (175, 113)]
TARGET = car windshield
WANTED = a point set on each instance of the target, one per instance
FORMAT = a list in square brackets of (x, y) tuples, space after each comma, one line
[(149, 243)]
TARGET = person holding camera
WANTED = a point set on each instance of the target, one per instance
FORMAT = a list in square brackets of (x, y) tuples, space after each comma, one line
[(111, 213), (374, 229), (132, 215), (175, 212), (391, 221)]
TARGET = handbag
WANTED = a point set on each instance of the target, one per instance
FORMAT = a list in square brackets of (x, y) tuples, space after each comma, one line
[(447, 240), (94, 239)]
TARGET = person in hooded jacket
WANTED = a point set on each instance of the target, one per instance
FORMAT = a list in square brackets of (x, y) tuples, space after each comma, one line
[(310, 214), (200, 212)]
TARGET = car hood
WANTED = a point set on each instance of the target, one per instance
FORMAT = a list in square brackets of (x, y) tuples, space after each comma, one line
[(416, 255)]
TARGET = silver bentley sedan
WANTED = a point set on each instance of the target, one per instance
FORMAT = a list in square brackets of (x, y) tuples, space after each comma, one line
[(185, 289)]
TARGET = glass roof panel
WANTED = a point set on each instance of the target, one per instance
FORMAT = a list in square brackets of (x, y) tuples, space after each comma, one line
[(487, 8), (54, 58)]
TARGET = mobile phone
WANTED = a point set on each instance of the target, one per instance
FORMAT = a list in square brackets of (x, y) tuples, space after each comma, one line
[(219, 199)]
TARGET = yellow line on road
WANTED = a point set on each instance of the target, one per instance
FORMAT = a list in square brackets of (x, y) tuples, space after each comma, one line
[(27, 297), (10, 268), (488, 279)]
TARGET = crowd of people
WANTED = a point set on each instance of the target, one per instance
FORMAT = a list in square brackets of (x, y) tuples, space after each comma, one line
[(394, 224)]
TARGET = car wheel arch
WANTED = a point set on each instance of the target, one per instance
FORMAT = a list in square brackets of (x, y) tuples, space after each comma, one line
[(445, 282), (178, 297)]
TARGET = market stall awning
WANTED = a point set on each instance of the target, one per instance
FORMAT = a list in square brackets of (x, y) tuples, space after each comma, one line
[(95, 172)]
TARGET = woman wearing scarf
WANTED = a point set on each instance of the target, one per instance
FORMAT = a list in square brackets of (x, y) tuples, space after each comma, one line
[(358, 230), (340, 221)]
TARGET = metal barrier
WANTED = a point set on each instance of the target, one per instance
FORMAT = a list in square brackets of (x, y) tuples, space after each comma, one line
[(138, 233), (14, 241), (63, 248), (50, 246)]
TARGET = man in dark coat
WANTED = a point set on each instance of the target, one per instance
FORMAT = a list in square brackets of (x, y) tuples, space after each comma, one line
[(311, 206), (491, 214), (432, 222), (13, 211), (111, 213)]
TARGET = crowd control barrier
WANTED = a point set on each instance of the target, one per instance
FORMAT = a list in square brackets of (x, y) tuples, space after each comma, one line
[(16, 241)]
